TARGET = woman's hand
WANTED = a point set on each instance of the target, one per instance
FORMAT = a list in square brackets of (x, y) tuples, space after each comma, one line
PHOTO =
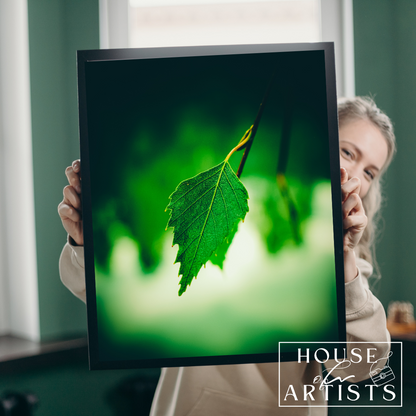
[(354, 221), (70, 208)]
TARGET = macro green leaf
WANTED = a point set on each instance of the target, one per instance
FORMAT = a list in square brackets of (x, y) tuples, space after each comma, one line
[(204, 211)]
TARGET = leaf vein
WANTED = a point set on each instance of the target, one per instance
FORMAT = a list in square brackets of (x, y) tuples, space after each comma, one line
[(196, 200), (189, 245), (235, 195), (196, 185), (206, 219), (202, 213), (226, 210)]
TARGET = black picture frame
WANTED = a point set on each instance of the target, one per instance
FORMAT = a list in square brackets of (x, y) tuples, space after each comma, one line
[(84, 58)]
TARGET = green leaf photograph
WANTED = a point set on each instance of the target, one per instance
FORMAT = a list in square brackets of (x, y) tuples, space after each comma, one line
[(211, 204)]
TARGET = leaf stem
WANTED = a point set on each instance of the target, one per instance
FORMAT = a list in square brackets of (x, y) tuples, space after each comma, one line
[(291, 206), (254, 126), (281, 170), (241, 143)]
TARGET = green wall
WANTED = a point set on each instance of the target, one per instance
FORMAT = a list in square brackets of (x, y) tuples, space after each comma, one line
[(385, 67), (57, 28)]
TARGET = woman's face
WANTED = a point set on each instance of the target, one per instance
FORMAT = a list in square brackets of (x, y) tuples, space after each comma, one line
[(363, 151)]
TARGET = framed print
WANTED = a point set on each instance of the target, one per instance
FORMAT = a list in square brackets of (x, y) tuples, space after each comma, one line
[(211, 203)]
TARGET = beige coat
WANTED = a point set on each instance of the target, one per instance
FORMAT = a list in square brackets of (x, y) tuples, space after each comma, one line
[(252, 389)]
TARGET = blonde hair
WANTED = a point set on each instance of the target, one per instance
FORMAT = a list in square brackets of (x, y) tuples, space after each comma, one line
[(359, 108)]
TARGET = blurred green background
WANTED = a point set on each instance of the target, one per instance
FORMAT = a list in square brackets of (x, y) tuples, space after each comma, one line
[(153, 123)]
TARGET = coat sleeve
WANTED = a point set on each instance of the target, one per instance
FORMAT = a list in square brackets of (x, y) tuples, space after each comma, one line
[(71, 269), (366, 322)]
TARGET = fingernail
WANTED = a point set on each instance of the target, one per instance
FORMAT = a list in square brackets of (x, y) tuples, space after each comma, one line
[(76, 167)]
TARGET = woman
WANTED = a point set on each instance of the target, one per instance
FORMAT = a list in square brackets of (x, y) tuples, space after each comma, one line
[(367, 145)]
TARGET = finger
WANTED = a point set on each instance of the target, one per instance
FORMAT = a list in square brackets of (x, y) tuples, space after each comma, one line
[(71, 197), (357, 222), (72, 222), (351, 186), (74, 178), (344, 175), (353, 204), (76, 165), (67, 212)]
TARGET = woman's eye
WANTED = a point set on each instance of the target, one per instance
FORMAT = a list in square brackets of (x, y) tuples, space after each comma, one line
[(369, 174), (347, 153)]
